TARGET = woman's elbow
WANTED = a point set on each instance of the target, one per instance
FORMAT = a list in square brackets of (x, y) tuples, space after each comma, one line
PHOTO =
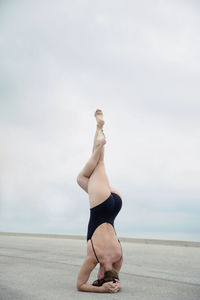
[(78, 287)]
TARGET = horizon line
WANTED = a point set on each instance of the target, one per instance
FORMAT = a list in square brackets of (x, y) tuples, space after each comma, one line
[(123, 239)]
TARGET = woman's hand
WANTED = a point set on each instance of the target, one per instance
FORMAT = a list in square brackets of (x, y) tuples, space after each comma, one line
[(118, 284), (111, 287)]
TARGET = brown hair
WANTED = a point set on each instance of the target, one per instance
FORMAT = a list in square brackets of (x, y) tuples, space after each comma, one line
[(108, 276)]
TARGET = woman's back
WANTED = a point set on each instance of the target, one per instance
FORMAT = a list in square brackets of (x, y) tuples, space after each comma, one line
[(105, 244)]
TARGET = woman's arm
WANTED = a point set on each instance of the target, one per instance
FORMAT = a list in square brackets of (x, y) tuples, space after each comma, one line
[(84, 275), (86, 287)]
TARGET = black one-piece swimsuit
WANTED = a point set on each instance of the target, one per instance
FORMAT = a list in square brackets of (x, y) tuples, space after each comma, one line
[(104, 212)]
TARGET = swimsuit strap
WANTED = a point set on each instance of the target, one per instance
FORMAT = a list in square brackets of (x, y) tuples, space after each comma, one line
[(121, 247), (94, 250)]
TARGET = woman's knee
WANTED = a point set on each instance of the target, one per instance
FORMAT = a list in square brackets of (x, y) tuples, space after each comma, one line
[(82, 182), (80, 178)]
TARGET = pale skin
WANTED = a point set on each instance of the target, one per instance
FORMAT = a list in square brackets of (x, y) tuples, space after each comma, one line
[(94, 181)]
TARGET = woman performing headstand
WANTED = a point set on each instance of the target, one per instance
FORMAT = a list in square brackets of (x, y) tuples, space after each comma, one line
[(103, 246)]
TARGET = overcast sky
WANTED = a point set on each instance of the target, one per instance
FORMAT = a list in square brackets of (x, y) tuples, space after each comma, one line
[(138, 61)]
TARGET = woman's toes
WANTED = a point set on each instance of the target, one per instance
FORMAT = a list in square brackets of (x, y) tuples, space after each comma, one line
[(98, 114)]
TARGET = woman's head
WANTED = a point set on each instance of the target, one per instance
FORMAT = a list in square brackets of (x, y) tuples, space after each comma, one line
[(110, 275)]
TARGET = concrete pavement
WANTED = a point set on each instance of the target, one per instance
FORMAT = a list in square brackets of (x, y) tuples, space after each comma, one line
[(42, 267)]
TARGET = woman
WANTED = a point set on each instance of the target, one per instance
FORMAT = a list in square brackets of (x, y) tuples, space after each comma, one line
[(103, 247)]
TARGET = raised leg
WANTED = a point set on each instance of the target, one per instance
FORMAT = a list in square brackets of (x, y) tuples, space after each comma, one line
[(97, 155), (92, 162), (99, 131), (98, 185), (100, 123)]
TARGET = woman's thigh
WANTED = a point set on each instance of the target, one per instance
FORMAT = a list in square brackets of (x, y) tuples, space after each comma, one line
[(98, 185)]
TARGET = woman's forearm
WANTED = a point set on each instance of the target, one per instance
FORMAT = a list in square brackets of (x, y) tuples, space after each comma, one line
[(86, 287)]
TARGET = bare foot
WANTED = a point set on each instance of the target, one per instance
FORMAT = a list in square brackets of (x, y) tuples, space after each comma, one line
[(99, 117)]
